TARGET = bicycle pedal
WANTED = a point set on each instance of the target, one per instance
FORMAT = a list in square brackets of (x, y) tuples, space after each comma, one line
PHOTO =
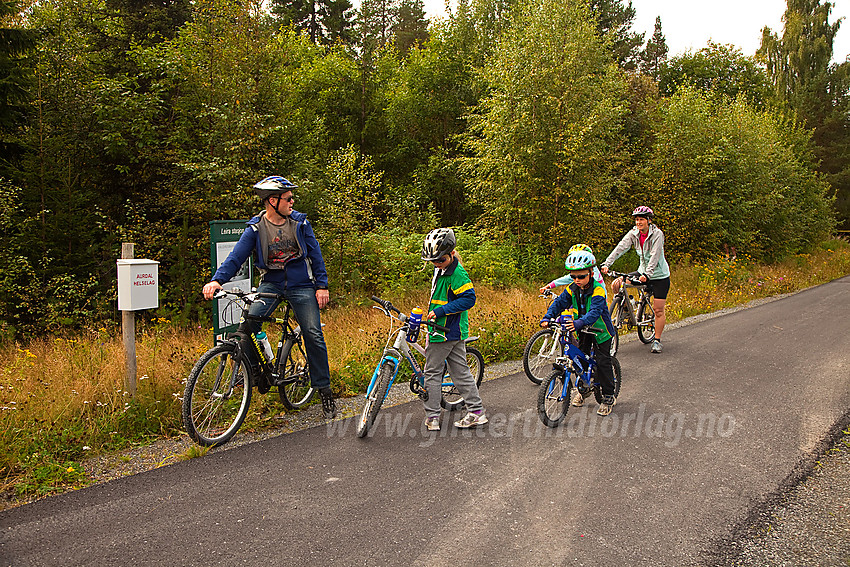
[(417, 389)]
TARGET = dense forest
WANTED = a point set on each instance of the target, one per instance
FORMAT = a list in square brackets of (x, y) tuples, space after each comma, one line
[(530, 125)]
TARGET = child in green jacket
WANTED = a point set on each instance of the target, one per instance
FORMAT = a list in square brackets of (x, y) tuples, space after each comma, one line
[(452, 295)]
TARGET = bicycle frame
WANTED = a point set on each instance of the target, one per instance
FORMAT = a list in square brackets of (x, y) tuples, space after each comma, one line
[(627, 307), (288, 334), (394, 354), (550, 350), (574, 362)]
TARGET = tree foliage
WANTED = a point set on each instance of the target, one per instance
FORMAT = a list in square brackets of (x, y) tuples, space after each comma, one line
[(718, 68), (725, 174), (541, 139), (15, 80), (324, 21), (516, 122), (614, 20), (804, 79)]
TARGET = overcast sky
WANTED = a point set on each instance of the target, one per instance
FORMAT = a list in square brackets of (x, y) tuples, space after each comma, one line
[(689, 24)]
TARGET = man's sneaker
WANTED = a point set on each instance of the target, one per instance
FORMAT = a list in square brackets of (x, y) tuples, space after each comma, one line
[(328, 403), (472, 419), (578, 399), (656, 346), (432, 423)]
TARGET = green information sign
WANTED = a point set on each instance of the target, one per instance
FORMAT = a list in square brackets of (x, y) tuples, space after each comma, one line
[(223, 237)]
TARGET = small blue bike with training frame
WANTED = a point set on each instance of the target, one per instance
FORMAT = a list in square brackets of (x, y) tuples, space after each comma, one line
[(403, 348), (573, 369)]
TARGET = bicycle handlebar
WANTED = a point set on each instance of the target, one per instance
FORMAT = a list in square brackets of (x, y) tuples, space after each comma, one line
[(385, 304), (632, 278), (403, 317), (587, 329)]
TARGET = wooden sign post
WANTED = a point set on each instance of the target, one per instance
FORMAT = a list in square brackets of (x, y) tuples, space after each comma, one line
[(128, 326)]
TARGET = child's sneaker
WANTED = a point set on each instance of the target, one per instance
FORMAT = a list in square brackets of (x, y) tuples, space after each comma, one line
[(606, 406), (472, 419), (578, 399), (432, 423)]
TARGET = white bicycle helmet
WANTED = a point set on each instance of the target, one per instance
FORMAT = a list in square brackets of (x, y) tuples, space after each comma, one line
[(273, 185), (438, 243), (580, 260)]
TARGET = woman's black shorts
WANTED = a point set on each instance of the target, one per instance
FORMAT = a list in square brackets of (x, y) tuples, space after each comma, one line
[(659, 288)]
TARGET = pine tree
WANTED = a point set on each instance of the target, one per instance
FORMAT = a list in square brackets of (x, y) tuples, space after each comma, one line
[(818, 91), (615, 22), (325, 21), (655, 53), (411, 27), (147, 22), (376, 21), (338, 20), (15, 79)]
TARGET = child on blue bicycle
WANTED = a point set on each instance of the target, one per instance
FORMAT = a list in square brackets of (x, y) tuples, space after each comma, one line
[(585, 300), (452, 295)]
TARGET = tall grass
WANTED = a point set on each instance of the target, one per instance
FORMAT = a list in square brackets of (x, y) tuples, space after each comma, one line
[(62, 399)]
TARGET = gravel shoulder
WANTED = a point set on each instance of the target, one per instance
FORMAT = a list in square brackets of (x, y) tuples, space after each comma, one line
[(805, 522)]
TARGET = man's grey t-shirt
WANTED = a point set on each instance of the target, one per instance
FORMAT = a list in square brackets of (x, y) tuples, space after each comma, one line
[(283, 246)]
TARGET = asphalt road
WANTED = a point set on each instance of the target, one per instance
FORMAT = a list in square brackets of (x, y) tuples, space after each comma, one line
[(701, 435)]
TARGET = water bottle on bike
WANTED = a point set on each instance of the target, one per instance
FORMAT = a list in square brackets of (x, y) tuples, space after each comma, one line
[(265, 347), (414, 322)]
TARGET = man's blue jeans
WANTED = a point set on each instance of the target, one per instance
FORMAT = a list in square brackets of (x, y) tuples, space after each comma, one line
[(306, 309)]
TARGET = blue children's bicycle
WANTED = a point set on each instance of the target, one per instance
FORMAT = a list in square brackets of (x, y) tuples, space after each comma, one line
[(403, 348), (574, 369)]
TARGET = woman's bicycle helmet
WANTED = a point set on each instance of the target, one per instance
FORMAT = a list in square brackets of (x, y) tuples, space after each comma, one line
[(438, 243), (580, 260), (578, 247), (273, 185), (643, 211)]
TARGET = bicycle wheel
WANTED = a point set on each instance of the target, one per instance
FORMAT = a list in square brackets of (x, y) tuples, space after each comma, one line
[(619, 315), (294, 388), (553, 399), (615, 341), (375, 398), (646, 322), (217, 396), (451, 399), (540, 353), (597, 392)]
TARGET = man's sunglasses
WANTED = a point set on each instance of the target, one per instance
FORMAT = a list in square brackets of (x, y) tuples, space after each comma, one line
[(289, 199)]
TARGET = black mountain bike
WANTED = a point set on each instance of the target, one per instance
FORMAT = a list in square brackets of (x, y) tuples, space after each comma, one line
[(218, 390), (626, 313)]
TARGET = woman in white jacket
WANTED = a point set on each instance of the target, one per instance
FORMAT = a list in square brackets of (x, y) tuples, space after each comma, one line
[(648, 241)]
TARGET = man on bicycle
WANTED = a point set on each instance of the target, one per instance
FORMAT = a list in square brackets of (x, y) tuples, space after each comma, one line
[(585, 300), (452, 295), (290, 263), (648, 240)]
